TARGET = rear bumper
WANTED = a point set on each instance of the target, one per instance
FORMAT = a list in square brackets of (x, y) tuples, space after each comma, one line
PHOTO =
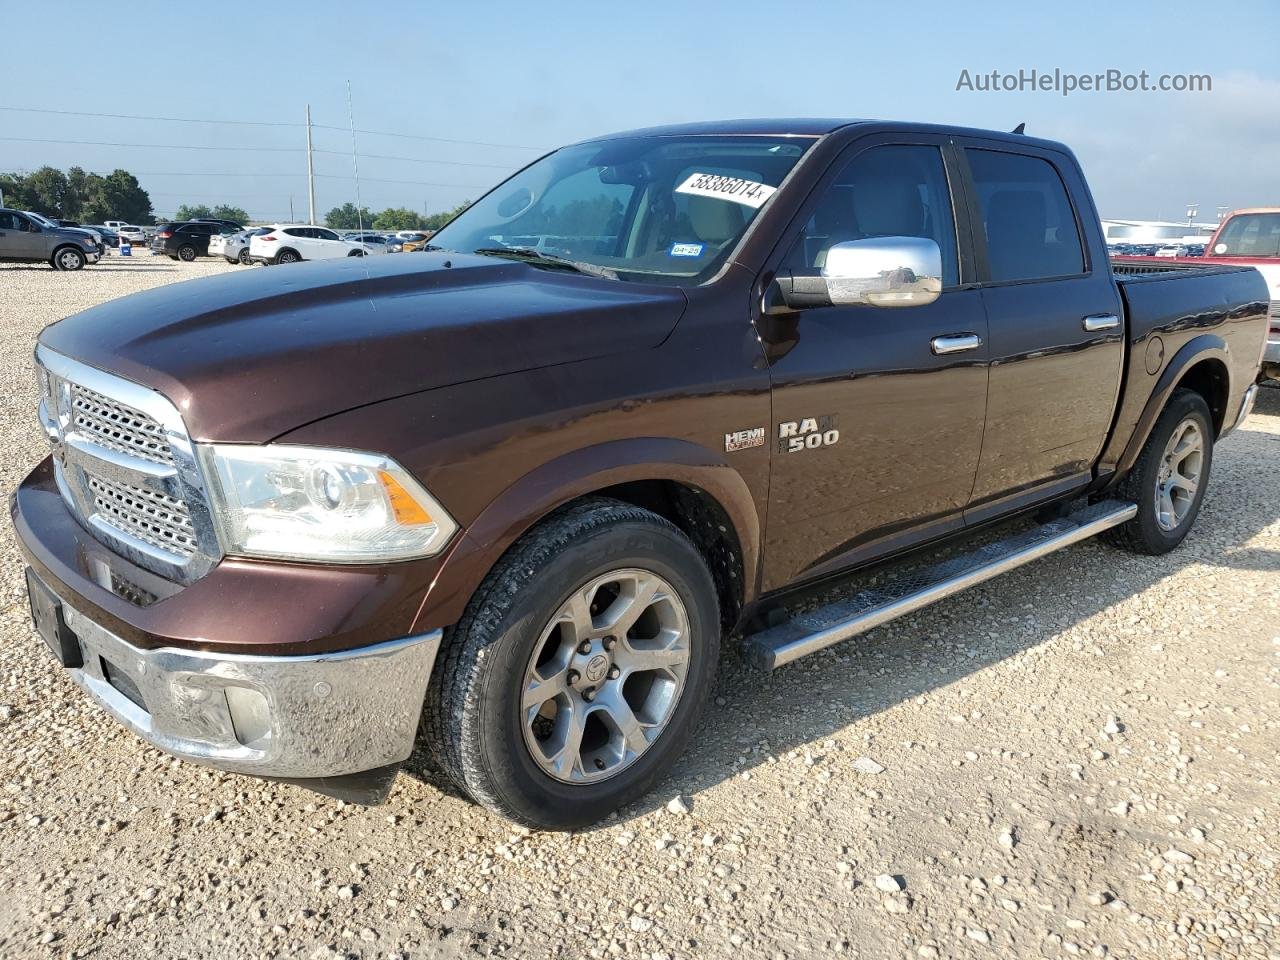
[(292, 717)]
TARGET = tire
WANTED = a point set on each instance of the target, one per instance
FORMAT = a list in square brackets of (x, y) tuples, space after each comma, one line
[(1164, 522), (479, 719), (67, 258), (243, 259), (187, 253), (288, 256)]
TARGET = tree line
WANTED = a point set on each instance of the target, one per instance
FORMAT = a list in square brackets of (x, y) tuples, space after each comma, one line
[(94, 198), (348, 217), (78, 195)]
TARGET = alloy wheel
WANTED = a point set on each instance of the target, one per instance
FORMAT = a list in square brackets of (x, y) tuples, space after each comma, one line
[(1180, 474), (605, 676)]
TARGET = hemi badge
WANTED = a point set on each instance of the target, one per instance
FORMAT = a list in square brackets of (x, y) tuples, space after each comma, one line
[(744, 439)]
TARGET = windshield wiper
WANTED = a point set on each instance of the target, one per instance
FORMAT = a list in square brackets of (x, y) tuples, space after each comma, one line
[(525, 255)]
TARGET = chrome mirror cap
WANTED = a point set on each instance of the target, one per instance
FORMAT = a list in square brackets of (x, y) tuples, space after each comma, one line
[(884, 271)]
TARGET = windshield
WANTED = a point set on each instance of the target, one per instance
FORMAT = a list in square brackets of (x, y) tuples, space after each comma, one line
[(1250, 235), (43, 221), (644, 208)]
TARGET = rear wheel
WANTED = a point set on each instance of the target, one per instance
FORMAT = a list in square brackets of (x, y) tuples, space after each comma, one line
[(1169, 478), (244, 257), (578, 672), (287, 256), (187, 253)]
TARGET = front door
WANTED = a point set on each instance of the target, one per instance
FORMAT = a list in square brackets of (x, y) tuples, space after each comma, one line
[(876, 430), (1056, 324), (18, 238)]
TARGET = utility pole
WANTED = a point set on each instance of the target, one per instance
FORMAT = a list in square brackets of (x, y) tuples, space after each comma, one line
[(311, 171)]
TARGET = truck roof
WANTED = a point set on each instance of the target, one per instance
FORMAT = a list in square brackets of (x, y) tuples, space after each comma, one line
[(816, 127)]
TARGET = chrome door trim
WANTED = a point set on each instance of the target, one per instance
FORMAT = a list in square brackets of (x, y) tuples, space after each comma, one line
[(1100, 321), (955, 343)]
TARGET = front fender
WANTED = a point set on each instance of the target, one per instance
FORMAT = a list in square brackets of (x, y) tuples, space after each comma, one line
[(574, 475)]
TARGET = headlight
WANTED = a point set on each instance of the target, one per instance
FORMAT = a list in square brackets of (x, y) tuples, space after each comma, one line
[(306, 503), (89, 241)]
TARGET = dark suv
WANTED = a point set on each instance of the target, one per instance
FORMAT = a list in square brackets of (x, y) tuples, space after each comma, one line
[(186, 240)]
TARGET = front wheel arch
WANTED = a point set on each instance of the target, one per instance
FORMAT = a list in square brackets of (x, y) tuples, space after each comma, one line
[(632, 470)]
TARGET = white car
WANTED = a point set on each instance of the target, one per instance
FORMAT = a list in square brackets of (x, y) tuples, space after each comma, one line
[(135, 235), (302, 241), (1172, 250)]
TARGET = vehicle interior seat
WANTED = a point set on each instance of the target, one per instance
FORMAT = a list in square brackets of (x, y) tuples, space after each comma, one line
[(1017, 241), (715, 221)]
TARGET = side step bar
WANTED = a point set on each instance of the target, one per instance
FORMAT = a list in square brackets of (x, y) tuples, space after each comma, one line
[(819, 629)]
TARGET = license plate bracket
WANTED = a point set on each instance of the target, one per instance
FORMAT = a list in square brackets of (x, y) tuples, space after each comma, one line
[(46, 614)]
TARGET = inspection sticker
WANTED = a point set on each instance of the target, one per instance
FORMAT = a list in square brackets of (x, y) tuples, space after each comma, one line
[(686, 250), (746, 192)]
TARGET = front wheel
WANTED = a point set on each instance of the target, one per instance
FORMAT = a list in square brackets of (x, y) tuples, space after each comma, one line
[(1169, 478), (578, 672), (68, 258)]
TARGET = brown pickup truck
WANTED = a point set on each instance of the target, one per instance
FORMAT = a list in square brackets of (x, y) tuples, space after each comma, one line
[(509, 495)]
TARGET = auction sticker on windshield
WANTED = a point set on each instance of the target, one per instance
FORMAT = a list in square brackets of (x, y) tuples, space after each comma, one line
[(747, 192)]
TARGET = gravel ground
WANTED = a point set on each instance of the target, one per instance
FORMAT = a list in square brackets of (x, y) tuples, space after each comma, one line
[(1078, 759)]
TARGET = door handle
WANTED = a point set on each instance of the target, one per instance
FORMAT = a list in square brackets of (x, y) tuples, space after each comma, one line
[(1101, 321), (955, 343)]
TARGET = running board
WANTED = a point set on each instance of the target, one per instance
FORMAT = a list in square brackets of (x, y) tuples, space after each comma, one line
[(819, 629)]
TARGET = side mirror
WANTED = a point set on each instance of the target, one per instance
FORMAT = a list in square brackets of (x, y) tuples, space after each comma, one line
[(876, 271)]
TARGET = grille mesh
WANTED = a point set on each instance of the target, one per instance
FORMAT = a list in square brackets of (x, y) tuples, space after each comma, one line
[(153, 518), (117, 427), (1275, 313)]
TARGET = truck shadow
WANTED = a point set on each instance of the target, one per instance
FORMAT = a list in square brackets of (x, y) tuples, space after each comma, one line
[(757, 718)]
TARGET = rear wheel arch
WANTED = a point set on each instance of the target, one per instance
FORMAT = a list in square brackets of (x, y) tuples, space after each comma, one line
[(1201, 365), (1210, 378)]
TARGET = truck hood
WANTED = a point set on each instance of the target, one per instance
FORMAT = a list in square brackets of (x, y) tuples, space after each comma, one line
[(250, 356)]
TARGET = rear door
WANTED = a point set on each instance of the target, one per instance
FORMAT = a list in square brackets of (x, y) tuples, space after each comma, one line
[(877, 421), (1055, 319)]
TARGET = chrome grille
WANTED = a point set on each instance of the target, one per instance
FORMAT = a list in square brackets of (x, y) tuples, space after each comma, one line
[(118, 427), (1275, 313), (154, 518), (126, 468)]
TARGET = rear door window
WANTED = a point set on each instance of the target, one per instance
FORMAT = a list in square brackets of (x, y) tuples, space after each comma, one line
[(1028, 221)]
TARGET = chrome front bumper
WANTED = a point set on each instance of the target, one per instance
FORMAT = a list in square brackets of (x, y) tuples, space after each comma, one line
[(306, 717)]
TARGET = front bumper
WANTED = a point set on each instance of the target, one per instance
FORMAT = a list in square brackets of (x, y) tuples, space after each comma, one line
[(327, 715), (280, 670)]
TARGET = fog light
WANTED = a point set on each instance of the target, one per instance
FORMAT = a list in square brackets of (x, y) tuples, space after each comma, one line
[(250, 716)]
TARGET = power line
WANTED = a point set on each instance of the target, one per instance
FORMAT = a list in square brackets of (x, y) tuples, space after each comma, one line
[(133, 116), (447, 163), (293, 176), (157, 146), (417, 136), (268, 123)]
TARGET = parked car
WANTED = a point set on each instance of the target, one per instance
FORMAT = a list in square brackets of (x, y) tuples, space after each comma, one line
[(136, 236), (234, 247), (230, 226), (30, 237), (1172, 250), (525, 495), (294, 242), (375, 242), (44, 221), (109, 237), (1251, 237), (412, 246), (411, 235), (185, 240)]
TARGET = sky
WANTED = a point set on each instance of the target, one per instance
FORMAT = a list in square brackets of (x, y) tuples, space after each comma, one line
[(514, 79)]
